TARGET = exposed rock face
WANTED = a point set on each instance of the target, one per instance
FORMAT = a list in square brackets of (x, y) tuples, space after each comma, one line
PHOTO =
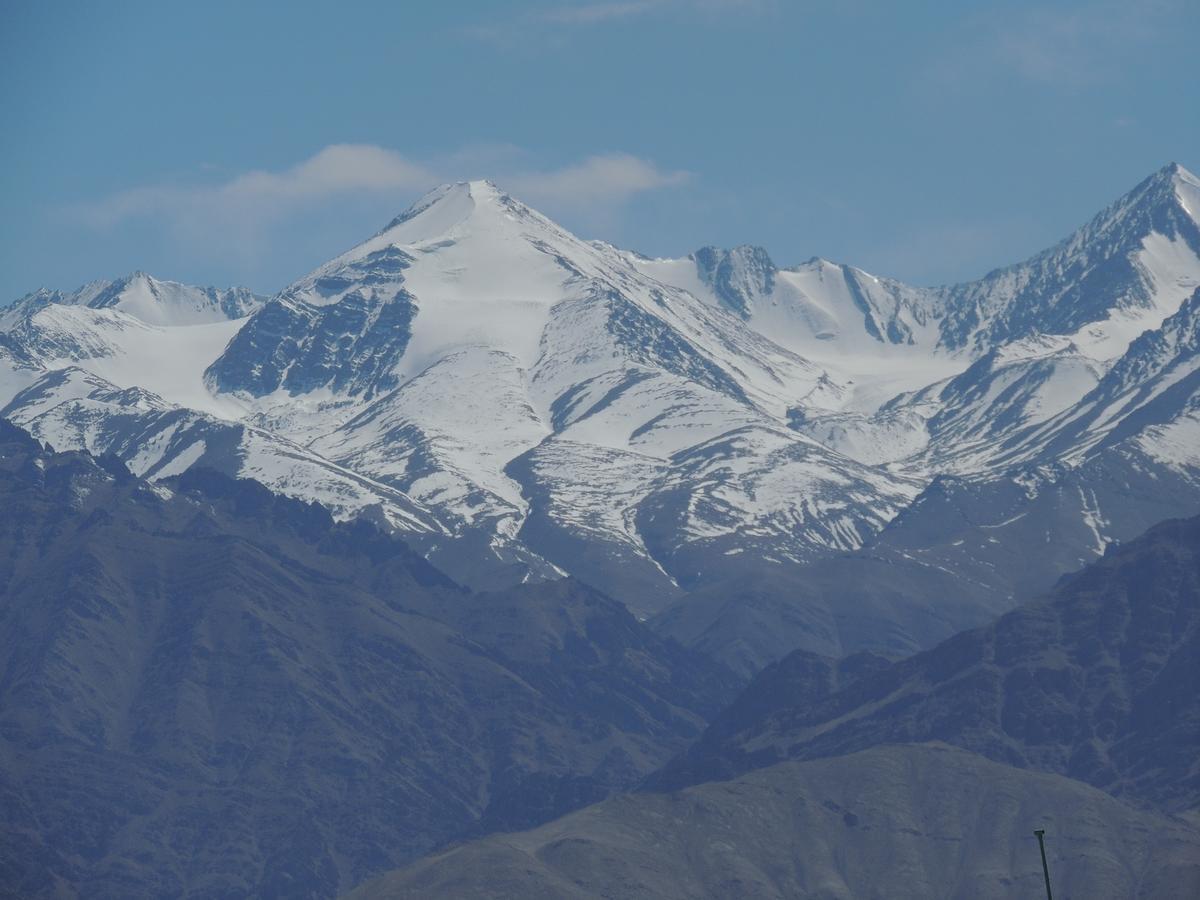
[(344, 329), (739, 277)]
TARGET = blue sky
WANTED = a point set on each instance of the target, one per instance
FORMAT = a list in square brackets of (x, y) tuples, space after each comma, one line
[(246, 143)]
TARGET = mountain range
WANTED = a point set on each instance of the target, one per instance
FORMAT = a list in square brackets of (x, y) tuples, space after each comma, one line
[(486, 560), (861, 777), (519, 404), (210, 690)]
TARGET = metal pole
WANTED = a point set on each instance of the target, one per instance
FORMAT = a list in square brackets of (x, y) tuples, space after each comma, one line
[(1041, 836)]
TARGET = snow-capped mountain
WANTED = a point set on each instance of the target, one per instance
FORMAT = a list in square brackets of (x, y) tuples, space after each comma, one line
[(1122, 273), (118, 367), (522, 403), (147, 299), (137, 330), (486, 362), (73, 407), (1087, 297)]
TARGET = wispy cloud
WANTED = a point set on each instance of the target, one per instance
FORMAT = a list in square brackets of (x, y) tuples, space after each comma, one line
[(257, 196), (1077, 46), (608, 181), (241, 213), (598, 13), (538, 22), (1068, 47)]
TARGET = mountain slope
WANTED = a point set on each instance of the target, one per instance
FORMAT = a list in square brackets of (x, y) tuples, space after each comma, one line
[(1088, 298), (917, 821), (209, 689), (1028, 491), (136, 331), (1122, 273), (834, 778), (72, 407), (1150, 394), (1094, 682)]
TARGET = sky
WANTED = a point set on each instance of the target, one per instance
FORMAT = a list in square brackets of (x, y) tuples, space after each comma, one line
[(246, 143)]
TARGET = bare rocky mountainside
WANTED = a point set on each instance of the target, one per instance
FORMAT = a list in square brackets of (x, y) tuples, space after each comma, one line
[(209, 690), (1078, 714), (1097, 681), (913, 822)]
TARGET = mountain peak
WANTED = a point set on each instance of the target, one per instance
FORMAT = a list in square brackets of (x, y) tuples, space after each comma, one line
[(479, 189), (144, 297), (442, 208), (482, 186), (1186, 187), (738, 277), (1172, 185), (1176, 173)]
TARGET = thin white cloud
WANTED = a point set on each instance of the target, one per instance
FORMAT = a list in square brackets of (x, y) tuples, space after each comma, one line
[(1067, 47), (539, 21), (242, 214), (598, 13), (1075, 46), (261, 195), (608, 181)]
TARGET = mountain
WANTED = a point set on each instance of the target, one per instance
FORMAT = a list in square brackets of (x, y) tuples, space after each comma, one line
[(1093, 682), (473, 315), (812, 308), (975, 543), (926, 777), (1034, 438), (520, 405), (208, 689), (148, 300), (1120, 274), (479, 523), (136, 331), (72, 407), (914, 822), (1036, 335)]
